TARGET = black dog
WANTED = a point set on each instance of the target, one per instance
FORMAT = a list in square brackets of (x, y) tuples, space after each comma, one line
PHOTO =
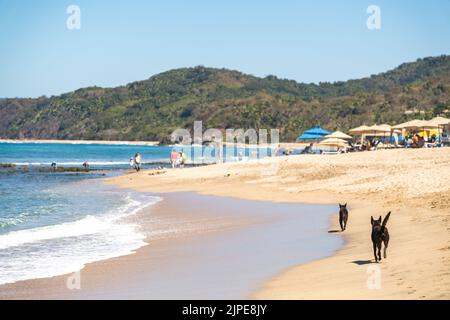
[(380, 234), (343, 216)]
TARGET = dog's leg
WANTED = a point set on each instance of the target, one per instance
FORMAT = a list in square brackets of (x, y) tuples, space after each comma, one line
[(341, 223), (386, 242), (375, 251), (379, 251)]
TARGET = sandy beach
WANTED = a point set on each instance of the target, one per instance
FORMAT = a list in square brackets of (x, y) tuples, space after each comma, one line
[(413, 184)]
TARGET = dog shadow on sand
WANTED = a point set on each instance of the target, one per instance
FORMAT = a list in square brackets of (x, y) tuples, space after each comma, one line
[(358, 262), (363, 262), (334, 231)]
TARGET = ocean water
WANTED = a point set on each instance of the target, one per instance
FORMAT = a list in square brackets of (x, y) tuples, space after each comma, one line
[(52, 223), (97, 155), (112, 156)]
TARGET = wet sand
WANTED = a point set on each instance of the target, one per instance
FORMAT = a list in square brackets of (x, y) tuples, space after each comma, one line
[(200, 247)]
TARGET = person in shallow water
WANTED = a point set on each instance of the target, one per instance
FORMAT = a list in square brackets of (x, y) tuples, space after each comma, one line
[(131, 162), (137, 161), (173, 158), (182, 159)]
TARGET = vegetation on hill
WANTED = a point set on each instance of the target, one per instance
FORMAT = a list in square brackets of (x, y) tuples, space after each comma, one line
[(153, 108)]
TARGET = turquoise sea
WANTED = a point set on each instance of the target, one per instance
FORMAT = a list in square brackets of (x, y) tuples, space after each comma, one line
[(53, 223)]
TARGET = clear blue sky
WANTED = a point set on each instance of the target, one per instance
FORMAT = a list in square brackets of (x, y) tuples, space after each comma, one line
[(123, 41)]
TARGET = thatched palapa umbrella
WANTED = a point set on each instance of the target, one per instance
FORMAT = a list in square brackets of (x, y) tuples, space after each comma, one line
[(339, 135)]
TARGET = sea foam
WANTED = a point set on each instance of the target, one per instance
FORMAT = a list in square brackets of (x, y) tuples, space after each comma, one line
[(67, 247)]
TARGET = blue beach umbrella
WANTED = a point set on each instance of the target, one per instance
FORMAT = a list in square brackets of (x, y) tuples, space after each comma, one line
[(317, 131), (306, 136)]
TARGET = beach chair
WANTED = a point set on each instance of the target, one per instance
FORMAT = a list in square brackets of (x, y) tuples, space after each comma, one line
[(331, 152)]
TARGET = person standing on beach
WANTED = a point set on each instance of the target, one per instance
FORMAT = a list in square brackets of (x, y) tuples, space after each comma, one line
[(182, 159), (219, 149), (173, 158), (277, 151), (137, 161)]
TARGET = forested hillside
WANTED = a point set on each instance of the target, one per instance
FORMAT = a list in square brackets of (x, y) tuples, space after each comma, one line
[(153, 108)]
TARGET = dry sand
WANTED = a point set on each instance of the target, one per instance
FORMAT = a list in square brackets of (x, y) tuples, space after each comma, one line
[(413, 184)]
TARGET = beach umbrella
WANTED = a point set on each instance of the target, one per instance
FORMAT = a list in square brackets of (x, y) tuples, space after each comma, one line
[(306, 136), (408, 125), (382, 128), (317, 131), (422, 125), (425, 125), (438, 121), (339, 135), (359, 130), (388, 133), (333, 142)]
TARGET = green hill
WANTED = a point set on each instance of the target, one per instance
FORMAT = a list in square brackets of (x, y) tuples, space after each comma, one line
[(153, 108)]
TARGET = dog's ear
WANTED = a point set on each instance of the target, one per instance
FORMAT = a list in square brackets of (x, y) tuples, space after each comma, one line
[(345, 205), (379, 219), (371, 220)]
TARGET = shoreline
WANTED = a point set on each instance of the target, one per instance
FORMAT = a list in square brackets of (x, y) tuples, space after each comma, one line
[(410, 183), (413, 184), (196, 247), (145, 143)]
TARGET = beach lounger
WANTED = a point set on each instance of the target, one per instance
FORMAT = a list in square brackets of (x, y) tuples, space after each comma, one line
[(331, 152)]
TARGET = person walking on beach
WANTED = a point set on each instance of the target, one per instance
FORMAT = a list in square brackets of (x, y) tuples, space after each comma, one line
[(277, 151), (137, 161), (173, 158), (182, 159), (219, 152)]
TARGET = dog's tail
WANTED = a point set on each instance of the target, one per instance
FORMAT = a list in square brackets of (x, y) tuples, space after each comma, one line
[(385, 221)]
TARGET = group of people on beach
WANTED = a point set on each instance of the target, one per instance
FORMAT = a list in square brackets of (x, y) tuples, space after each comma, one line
[(177, 159), (416, 141)]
